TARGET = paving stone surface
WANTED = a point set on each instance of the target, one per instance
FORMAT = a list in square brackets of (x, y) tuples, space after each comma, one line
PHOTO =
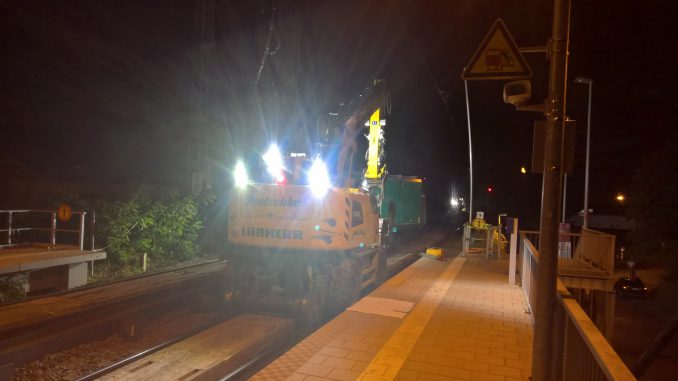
[(466, 323)]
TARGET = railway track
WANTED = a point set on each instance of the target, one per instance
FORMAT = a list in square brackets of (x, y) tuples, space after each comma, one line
[(221, 351), (50, 324), (247, 343)]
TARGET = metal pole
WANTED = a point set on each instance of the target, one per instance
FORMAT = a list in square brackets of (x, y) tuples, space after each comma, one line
[(513, 253), (93, 221), (91, 228), (81, 237), (562, 217), (9, 228), (588, 82), (588, 150), (470, 155), (53, 235), (542, 353)]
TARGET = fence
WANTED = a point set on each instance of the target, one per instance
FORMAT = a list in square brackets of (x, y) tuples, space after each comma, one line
[(591, 247), (580, 351), (596, 249), (41, 221)]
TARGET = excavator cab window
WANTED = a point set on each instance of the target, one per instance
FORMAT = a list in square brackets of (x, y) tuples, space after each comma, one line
[(296, 169), (357, 216)]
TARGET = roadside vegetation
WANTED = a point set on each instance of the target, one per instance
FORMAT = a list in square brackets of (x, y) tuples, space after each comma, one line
[(12, 287), (140, 230), (145, 232)]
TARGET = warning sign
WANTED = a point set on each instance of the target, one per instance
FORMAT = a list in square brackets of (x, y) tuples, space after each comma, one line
[(498, 57), (64, 212)]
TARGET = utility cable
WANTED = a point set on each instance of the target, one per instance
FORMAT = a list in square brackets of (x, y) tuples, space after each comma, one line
[(267, 47)]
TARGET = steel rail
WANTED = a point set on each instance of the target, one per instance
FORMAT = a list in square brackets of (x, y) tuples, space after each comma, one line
[(119, 364), (31, 341)]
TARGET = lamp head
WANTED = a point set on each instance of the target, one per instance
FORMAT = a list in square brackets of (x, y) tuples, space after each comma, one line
[(583, 80)]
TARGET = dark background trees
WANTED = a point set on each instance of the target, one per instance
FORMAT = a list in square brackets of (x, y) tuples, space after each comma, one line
[(653, 204)]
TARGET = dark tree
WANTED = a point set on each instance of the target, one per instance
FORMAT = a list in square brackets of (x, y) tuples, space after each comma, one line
[(654, 207)]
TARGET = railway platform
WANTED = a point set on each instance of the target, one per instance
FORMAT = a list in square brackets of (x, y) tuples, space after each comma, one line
[(456, 319), (49, 267)]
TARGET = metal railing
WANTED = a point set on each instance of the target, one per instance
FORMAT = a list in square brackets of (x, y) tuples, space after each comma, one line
[(47, 222), (580, 350), (591, 247)]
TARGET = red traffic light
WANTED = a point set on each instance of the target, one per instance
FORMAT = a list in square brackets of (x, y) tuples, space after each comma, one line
[(489, 189)]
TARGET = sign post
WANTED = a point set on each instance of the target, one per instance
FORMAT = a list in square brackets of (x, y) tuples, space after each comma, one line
[(544, 320), (497, 58), (513, 251)]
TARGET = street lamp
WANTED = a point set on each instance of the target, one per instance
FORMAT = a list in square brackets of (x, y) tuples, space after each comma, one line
[(589, 82)]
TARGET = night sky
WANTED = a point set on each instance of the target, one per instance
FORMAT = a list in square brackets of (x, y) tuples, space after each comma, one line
[(110, 91)]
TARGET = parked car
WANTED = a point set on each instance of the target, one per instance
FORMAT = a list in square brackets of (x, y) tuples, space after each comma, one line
[(630, 286)]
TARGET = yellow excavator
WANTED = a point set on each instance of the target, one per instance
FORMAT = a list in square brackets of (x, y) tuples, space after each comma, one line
[(307, 239)]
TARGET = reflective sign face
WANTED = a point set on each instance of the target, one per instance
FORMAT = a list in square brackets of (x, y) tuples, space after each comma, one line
[(498, 57), (64, 212)]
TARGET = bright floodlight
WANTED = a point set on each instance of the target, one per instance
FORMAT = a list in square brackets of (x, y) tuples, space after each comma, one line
[(240, 175), (454, 202), (273, 160), (318, 178)]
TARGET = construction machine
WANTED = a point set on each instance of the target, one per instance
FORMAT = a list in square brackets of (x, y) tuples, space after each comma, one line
[(308, 235)]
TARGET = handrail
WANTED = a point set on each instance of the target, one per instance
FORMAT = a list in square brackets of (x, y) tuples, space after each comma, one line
[(594, 248), (36, 211), (53, 229), (606, 357), (580, 348)]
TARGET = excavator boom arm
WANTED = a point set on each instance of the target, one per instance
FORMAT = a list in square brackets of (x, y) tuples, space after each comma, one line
[(367, 105)]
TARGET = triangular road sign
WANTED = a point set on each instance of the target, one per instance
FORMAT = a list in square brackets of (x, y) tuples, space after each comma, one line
[(498, 57)]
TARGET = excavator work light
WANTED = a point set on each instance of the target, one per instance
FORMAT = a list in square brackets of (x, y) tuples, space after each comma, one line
[(273, 160), (240, 175), (319, 178)]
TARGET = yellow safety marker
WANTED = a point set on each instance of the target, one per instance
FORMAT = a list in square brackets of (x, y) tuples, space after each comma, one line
[(390, 359), (434, 252)]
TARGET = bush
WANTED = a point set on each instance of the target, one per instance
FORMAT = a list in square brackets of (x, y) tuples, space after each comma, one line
[(13, 287), (166, 229)]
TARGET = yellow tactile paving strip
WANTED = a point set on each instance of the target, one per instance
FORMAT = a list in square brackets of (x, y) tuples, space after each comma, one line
[(352, 335), (392, 356), (467, 324)]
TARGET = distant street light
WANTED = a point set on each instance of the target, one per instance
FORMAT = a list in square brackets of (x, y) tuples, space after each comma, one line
[(620, 197), (589, 82)]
